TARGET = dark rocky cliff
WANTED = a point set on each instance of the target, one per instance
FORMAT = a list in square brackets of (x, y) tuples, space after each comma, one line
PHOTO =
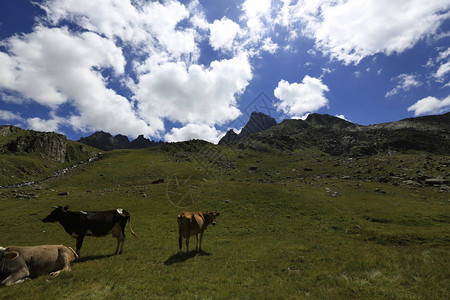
[(50, 144)]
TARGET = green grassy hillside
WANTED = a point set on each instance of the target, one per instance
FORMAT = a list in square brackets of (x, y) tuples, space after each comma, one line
[(27, 155), (303, 225)]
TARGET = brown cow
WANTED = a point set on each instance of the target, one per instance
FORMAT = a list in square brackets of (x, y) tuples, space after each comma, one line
[(190, 223), (18, 264)]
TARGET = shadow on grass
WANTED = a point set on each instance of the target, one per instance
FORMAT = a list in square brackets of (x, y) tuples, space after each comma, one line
[(182, 257), (93, 257)]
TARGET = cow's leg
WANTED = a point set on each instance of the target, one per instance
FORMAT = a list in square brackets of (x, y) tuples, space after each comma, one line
[(16, 277), (122, 241), (80, 239), (196, 244), (187, 244), (180, 242), (122, 235), (201, 239)]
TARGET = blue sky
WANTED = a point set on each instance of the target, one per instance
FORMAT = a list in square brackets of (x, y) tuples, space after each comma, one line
[(178, 70)]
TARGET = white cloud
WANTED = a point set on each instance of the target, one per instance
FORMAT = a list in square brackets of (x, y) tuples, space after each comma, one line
[(430, 105), (297, 99), (223, 33), (269, 46), (193, 94), (6, 115), (134, 22), (53, 66), (404, 83), (342, 117), (194, 131), (39, 124), (442, 71), (353, 29)]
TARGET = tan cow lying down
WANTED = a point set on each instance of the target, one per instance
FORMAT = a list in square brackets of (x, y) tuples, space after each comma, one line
[(20, 263), (190, 223)]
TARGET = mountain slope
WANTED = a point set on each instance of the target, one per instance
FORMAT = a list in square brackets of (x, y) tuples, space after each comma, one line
[(28, 155), (335, 136)]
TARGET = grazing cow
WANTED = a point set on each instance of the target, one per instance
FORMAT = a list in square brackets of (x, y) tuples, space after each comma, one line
[(21, 263), (92, 223), (194, 224)]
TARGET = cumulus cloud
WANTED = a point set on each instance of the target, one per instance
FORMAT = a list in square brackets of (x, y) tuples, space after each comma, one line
[(430, 105), (6, 115), (134, 22), (39, 124), (255, 14), (223, 33), (53, 66), (194, 94), (297, 99), (351, 30), (405, 82), (194, 131)]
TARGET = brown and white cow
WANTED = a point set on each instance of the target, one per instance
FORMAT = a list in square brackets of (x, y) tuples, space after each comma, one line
[(190, 223), (20, 263)]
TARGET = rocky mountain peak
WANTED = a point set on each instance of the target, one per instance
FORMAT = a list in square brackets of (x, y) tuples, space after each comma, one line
[(105, 141), (257, 122)]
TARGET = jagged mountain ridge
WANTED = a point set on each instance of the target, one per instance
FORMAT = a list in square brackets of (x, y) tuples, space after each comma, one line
[(336, 136), (105, 141)]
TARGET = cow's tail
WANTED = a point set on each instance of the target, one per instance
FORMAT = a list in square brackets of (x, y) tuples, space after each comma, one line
[(131, 229), (74, 253)]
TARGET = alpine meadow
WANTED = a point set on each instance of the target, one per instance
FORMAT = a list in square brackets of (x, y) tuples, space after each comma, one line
[(295, 221)]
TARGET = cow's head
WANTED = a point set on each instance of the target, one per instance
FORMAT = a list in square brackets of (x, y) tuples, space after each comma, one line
[(5, 257), (210, 217), (56, 215)]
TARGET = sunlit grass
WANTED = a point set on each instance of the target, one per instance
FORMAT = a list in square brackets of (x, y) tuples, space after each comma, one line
[(281, 233)]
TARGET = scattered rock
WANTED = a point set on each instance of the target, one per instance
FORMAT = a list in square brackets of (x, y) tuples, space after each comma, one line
[(63, 194), (436, 181), (157, 181), (378, 190), (412, 183)]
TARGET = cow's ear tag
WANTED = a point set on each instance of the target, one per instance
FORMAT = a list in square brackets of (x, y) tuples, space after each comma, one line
[(11, 255)]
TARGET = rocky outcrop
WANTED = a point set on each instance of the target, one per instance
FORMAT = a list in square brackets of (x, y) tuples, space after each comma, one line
[(7, 130), (52, 145), (258, 122)]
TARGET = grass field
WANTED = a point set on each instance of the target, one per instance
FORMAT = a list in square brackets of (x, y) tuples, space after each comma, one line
[(291, 226)]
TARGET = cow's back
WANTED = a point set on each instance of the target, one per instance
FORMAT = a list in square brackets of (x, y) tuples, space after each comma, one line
[(40, 259), (101, 223), (189, 223)]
